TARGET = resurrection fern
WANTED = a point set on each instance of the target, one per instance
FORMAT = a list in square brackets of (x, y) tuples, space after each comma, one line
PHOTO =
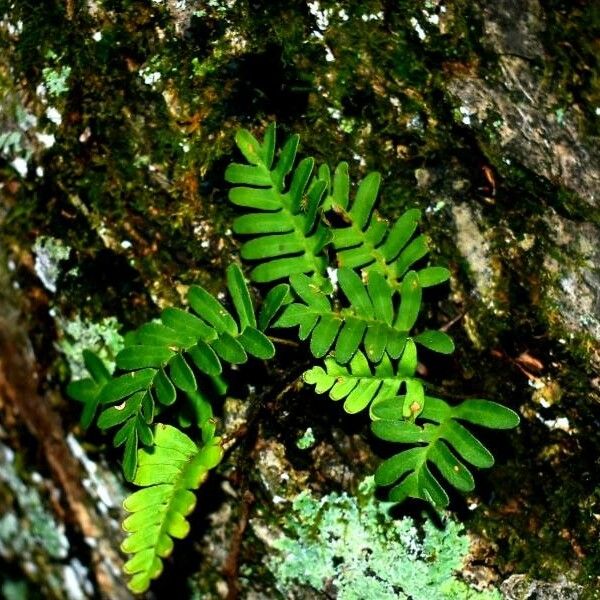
[(369, 318), (358, 385), (440, 440), (167, 473), (380, 283), (361, 317), (180, 355), (161, 357), (367, 241)]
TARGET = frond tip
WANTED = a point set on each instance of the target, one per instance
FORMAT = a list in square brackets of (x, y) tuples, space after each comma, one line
[(441, 442), (167, 473)]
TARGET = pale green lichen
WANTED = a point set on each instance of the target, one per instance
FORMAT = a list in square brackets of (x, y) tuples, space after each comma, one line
[(353, 546), (78, 334), (56, 80), (49, 252), (37, 529), (306, 440)]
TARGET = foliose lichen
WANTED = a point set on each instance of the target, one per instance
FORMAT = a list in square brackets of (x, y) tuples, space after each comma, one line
[(78, 334), (352, 545)]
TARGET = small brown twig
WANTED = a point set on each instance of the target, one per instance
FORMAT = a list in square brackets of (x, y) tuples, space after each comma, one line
[(231, 565)]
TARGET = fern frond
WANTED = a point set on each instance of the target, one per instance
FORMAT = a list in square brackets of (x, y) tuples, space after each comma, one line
[(167, 472), (162, 357), (360, 385), (373, 317), (288, 236), (369, 317), (87, 391), (441, 441), (368, 242)]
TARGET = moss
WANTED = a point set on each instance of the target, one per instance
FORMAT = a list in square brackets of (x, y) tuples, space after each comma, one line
[(352, 544)]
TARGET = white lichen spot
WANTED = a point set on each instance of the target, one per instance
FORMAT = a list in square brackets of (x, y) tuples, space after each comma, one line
[(19, 164), (46, 139), (54, 115), (72, 584), (418, 28), (322, 16), (332, 274), (92, 483), (335, 113), (361, 161), (150, 77), (49, 252), (85, 135), (372, 16)]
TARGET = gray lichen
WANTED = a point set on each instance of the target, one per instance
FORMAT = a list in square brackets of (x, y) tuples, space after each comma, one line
[(350, 547)]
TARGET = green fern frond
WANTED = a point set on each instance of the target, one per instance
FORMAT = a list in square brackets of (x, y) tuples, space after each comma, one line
[(167, 472), (372, 318), (162, 357), (368, 242), (288, 236), (360, 385), (87, 391), (441, 441)]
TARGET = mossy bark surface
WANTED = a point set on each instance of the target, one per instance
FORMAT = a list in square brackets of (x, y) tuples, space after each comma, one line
[(117, 120)]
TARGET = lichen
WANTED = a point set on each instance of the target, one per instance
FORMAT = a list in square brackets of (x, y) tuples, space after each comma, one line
[(102, 337), (306, 440), (49, 253), (353, 545), (37, 529)]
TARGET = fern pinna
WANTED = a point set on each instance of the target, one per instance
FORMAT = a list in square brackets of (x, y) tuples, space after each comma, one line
[(180, 355), (367, 328)]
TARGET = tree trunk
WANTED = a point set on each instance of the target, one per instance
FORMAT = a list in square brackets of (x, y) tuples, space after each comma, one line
[(116, 122)]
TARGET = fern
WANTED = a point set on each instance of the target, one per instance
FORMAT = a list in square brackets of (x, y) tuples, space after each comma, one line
[(161, 357), (371, 319), (168, 472), (367, 241), (364, 331), (378, 306), (359, 384), (289, 236), (441, 441)]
